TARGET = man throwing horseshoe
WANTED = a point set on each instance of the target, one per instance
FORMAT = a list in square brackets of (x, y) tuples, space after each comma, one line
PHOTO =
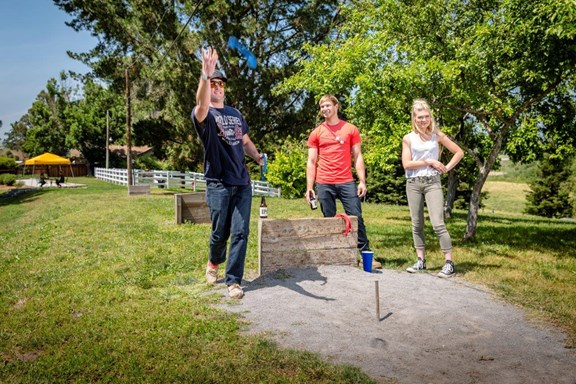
[(224, 135)]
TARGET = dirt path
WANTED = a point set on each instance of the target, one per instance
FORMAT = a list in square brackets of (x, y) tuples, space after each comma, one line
[(430, 330)]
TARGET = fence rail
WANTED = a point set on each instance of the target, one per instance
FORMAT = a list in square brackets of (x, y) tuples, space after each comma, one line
[(165, 179)]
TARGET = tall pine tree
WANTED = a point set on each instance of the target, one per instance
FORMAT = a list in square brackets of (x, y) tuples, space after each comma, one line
[(550, 194)]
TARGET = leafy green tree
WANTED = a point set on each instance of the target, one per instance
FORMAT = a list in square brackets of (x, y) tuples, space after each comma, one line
[(273, 31), (45, 130), (86, 121), (157, 43), (490, 63), (549, 138), (16, 136)]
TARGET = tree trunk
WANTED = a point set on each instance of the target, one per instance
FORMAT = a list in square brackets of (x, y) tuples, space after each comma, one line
[(485, 168), (472, 219), (451, 186)]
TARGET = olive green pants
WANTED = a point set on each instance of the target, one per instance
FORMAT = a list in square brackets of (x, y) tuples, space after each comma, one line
[(427, 189)]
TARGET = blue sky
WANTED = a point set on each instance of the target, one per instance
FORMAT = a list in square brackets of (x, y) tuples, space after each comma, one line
[(33, 45)]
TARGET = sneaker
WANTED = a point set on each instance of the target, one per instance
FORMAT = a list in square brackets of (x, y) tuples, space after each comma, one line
[(211, 274), (420, 265), (235, 291), (447, 270)]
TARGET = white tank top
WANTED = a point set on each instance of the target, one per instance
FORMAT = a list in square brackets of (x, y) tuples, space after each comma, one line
[(423, 150)]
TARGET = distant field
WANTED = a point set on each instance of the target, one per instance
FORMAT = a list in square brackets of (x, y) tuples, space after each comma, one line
[(505, 197)]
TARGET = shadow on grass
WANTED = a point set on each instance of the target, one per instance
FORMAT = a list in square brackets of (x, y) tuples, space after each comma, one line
[(528, 233), (498, 235), (20, 195), (466, 266)]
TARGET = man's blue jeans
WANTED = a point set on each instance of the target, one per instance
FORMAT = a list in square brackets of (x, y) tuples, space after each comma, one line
[(230, 215), (347, 193)]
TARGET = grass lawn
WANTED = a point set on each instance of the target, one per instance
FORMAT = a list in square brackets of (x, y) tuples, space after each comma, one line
[(505, 197), (97, 286)]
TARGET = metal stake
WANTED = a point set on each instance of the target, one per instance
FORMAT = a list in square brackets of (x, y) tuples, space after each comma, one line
[(377, 300)]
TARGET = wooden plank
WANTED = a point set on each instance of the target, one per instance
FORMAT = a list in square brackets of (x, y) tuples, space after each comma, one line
[(309, 242), (306, 227), (285, 243)]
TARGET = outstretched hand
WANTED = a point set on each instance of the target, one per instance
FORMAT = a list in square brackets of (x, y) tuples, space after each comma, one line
[(209, 60)]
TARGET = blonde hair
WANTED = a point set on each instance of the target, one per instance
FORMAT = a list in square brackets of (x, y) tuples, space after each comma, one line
[(330, 98), (422, 105), (326, 98)]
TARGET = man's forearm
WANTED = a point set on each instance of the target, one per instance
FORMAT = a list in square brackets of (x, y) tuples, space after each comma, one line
[(250, 149), (360, 170), (310, 177)]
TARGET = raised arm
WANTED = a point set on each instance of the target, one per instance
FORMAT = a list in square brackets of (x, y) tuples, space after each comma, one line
[(209, 60)]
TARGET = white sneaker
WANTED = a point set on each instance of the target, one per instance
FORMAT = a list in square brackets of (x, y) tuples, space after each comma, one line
[(235, 291), (447, 270), (420, 265), (211, 274)]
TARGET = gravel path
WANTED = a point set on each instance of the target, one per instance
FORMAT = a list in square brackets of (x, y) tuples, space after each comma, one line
[(430, 330)]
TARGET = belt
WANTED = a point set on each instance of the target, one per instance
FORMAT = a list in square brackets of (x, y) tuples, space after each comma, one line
[(424, 179)]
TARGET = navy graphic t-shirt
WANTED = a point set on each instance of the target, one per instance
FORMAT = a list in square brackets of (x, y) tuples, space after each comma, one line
[(221, 134)]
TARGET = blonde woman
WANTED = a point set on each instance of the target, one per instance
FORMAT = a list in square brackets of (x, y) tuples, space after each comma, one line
[(420, 159)]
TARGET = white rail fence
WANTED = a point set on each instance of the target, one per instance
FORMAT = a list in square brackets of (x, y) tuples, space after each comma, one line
[(165, 179)]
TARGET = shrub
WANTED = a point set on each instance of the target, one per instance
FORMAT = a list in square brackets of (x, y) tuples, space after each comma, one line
[(288, 169), (7, 162), (571, 186), (7, 179), (147, 162)]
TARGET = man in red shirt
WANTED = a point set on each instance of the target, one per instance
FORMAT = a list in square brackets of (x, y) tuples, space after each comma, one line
[(332, 147)]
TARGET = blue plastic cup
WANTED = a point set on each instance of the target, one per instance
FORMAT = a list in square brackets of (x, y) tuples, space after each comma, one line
[(367, 257)]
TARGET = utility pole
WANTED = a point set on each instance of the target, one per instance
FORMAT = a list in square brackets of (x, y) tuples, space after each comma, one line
[(107, 139), (128, 130)]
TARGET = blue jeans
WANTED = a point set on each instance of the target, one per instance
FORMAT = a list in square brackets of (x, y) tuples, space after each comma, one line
[(348, 195), (230, 215), (429, 189)]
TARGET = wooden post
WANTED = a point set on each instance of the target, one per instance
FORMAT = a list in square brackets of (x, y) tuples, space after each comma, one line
[(107, 139), (128, 129)]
